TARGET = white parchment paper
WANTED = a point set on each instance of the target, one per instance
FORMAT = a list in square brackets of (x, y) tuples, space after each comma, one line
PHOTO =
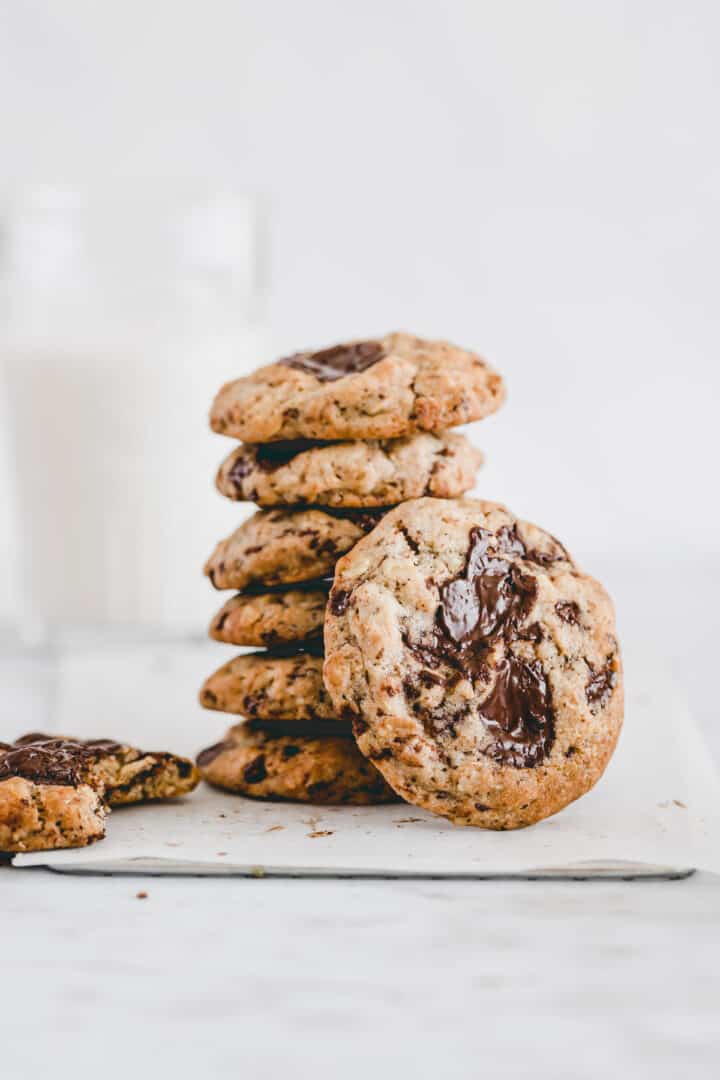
[(657, 810)]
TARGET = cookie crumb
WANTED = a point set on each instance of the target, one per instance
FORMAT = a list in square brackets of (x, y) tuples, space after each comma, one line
[(141, 895), (681, 804), (275, 828), (320, 832)]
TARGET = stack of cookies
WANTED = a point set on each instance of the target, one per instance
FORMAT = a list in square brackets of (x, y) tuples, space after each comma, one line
[(331, 441)]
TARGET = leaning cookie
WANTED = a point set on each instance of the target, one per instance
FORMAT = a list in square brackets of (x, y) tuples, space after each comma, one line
[(54, 792), (354, 474), (282, 684), (284, 547), (479, 665), (273, 618), (380, 389), (324, 771)]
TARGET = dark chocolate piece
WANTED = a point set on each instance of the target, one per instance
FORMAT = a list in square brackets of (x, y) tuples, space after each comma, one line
[(49, 760), (568, 611), (490, 600), (310, 646), (255, 772), (339, 601), (601, 684), (518, 713), (331, 364)]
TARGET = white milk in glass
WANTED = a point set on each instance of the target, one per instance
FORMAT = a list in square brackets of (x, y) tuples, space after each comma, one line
[(112, 464), (114, 468)]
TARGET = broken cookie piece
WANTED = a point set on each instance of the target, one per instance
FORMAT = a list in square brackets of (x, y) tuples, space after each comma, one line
[(56, 792)]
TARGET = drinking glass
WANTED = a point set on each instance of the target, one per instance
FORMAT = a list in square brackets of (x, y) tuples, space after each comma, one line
[(121, 313)]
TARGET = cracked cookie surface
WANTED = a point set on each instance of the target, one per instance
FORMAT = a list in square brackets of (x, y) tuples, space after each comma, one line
[(279, 685), (324, 771), (272, 618), (377, 473), (285, 547), (54, 792), (380, 389), (478, 664)]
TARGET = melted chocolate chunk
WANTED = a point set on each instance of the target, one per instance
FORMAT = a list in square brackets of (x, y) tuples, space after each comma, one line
[(601, 684), (255, 772), (568, 611), (410, 540), (310, 646), (48, 760), (331, 364), (339, 601), (313, 585), (490, 599), (518, 713), (290, 751), (271, 456)]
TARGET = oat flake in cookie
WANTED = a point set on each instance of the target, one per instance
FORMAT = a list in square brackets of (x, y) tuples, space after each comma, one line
[(478, 664), (383, 388)]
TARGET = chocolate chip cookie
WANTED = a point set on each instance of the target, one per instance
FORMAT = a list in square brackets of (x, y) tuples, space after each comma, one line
[(377, 473), (380, 389), (55, 792), (283, 547), (251, 761), (479, 665), (282, 684), (273, 618)]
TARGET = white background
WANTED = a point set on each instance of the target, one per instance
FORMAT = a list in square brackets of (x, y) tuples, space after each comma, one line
[(536, 180)]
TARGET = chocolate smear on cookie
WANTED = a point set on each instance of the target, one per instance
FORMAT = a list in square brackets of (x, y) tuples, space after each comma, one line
[(331, 364), (48, 760), (489, 601), (518, 713)]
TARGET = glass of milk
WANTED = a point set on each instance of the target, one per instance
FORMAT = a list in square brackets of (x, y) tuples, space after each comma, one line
[(121, 314)]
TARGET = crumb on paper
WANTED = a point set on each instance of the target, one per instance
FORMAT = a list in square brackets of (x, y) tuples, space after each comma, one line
[(680, 804), (320, 832), (222, 815), (275, 828), (221, 853), (142, 895), (407, 820)]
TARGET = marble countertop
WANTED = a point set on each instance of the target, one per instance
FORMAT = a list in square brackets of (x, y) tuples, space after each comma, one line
[(268, 978)]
